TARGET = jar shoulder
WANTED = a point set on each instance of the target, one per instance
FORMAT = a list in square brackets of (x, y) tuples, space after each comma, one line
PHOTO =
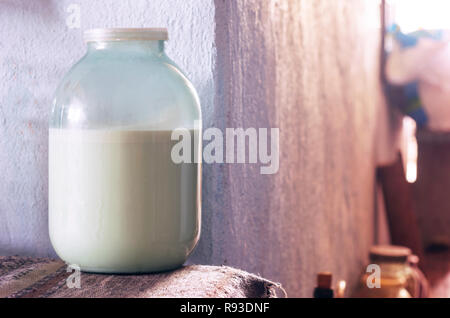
[(126, 91)]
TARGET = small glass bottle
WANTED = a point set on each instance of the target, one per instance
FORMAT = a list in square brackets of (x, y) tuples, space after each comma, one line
[(323, 289)]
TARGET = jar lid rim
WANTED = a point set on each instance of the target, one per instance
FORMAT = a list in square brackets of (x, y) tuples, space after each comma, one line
[(389, 253), (126, 34)]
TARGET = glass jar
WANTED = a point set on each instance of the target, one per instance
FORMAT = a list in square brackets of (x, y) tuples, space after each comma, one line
[(394, 274), (118, 201)]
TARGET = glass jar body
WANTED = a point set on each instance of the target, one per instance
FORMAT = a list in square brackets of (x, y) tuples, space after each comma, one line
[(118, 203)]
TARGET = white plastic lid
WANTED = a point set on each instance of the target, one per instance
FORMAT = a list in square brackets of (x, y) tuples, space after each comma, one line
[(128, 34)]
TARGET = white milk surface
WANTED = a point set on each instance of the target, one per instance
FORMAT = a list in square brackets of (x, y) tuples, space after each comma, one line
[(117, 202)]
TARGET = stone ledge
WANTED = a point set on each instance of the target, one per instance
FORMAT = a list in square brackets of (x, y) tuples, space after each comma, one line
[(41, 277)]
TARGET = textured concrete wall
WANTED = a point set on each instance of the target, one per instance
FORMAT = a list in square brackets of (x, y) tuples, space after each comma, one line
[(311, 69), (36, 48)]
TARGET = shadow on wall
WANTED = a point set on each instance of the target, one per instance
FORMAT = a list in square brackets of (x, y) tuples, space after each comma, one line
[(25, 91), (39, 6), (233, 192)]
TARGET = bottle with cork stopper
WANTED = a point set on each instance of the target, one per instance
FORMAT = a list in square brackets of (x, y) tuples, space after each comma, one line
[(323, 289)]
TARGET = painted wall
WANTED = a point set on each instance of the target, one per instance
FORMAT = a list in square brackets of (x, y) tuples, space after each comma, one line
[(36, 49), (311, 69), (307, 67)]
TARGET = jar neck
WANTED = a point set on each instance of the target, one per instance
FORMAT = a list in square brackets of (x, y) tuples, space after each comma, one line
[(127, 47)]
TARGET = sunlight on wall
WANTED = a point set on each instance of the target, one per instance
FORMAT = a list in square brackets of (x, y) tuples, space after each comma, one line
[(412, 15), (409, 150)]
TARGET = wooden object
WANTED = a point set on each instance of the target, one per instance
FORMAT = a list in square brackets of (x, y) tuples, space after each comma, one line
[(431, 190)]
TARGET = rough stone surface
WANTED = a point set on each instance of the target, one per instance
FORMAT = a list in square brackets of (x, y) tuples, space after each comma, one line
[(25, 277)]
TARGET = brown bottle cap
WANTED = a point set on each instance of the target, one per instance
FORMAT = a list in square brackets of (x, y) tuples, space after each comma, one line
[(324, 280), (389, 253)]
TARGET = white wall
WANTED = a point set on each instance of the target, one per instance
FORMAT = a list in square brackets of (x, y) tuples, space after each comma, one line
[(36, 49)]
